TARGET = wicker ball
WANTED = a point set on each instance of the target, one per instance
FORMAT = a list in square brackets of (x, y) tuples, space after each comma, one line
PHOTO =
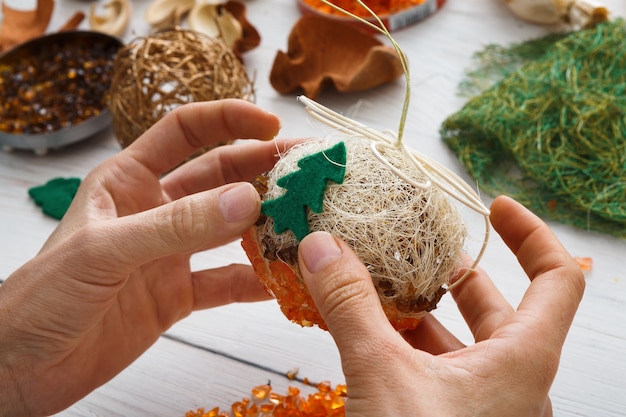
[(158, 73)]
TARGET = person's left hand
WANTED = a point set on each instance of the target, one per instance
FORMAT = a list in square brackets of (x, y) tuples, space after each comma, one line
[(116, 272)]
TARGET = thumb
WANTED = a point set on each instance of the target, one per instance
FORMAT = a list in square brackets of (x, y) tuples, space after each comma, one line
[(344, 294), (193, 223)]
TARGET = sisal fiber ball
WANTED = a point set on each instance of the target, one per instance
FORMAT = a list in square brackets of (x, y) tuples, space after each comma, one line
[(410, 238), (153, 75)]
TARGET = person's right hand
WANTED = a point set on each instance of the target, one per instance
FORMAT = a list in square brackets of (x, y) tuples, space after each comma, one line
[(428, 372)]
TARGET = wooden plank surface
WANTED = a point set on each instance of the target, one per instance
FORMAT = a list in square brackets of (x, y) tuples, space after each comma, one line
[(214, 357)]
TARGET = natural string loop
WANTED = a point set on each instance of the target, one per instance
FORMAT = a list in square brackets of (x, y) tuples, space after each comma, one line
[(381, 28)]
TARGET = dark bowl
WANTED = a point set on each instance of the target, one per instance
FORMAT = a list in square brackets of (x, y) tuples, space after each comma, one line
[(53, 89)]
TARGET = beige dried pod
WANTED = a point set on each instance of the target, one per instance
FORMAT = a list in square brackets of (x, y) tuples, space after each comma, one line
[(574, 13), (215, 21), (114, 18), (167, 14)]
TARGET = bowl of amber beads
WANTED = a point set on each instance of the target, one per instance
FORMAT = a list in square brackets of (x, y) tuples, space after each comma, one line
[(54, 90), (394, 14)]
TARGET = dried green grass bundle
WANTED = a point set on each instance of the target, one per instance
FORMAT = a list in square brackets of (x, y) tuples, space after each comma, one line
[(552, 131)]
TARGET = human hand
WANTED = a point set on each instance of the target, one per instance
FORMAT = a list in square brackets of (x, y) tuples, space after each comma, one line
[(425, 372), (115, 273)]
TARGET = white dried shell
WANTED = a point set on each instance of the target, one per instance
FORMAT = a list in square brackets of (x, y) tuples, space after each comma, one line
[(165, 14), (576, 13), (215, 21), (114, 19)]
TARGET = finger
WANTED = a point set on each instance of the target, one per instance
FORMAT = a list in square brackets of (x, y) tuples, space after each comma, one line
[(557, 283), (196, 125), (482, 305), (229, 284), (225, 164), (431, 336), (345, 296), (197, 222)]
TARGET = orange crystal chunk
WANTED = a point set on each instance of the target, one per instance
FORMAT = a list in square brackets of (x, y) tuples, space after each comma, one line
[(260, 392)]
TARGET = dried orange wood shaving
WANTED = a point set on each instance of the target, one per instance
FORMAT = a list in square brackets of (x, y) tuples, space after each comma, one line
[(323, 51), (22, 25)]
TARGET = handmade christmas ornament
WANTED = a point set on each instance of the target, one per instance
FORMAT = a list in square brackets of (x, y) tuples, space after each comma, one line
[(55, 196), (573, 13), (158, 73), (21, 25), (393, 206), (114, 17), (550, 130), (323, 51)]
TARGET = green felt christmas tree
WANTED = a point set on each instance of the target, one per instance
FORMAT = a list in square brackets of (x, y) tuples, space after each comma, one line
[(305, 188)]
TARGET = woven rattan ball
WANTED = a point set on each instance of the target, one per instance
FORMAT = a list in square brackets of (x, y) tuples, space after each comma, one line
[(158, 73)]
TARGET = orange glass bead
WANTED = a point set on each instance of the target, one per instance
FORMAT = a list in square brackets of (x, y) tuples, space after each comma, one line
[(324, 386), (279, 411), (253, 411), (239, 409), (260, 392), (276, 398), (266, 408)]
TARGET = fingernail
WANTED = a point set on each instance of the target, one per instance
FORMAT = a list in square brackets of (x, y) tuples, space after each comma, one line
[(238, 203), (318, 250)]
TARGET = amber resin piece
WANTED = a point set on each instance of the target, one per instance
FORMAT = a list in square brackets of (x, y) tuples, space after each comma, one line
[(323, 51)]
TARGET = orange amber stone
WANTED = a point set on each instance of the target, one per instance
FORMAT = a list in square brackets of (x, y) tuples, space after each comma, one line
[(266, 408), (253, 411), (239, 409), (260, 392)]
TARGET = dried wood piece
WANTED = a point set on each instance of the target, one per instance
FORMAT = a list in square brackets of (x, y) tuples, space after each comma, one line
[(19, 26), (323, 51), (250, 37)]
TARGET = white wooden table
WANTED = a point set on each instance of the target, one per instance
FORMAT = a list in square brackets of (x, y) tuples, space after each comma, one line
[(214, 357)]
